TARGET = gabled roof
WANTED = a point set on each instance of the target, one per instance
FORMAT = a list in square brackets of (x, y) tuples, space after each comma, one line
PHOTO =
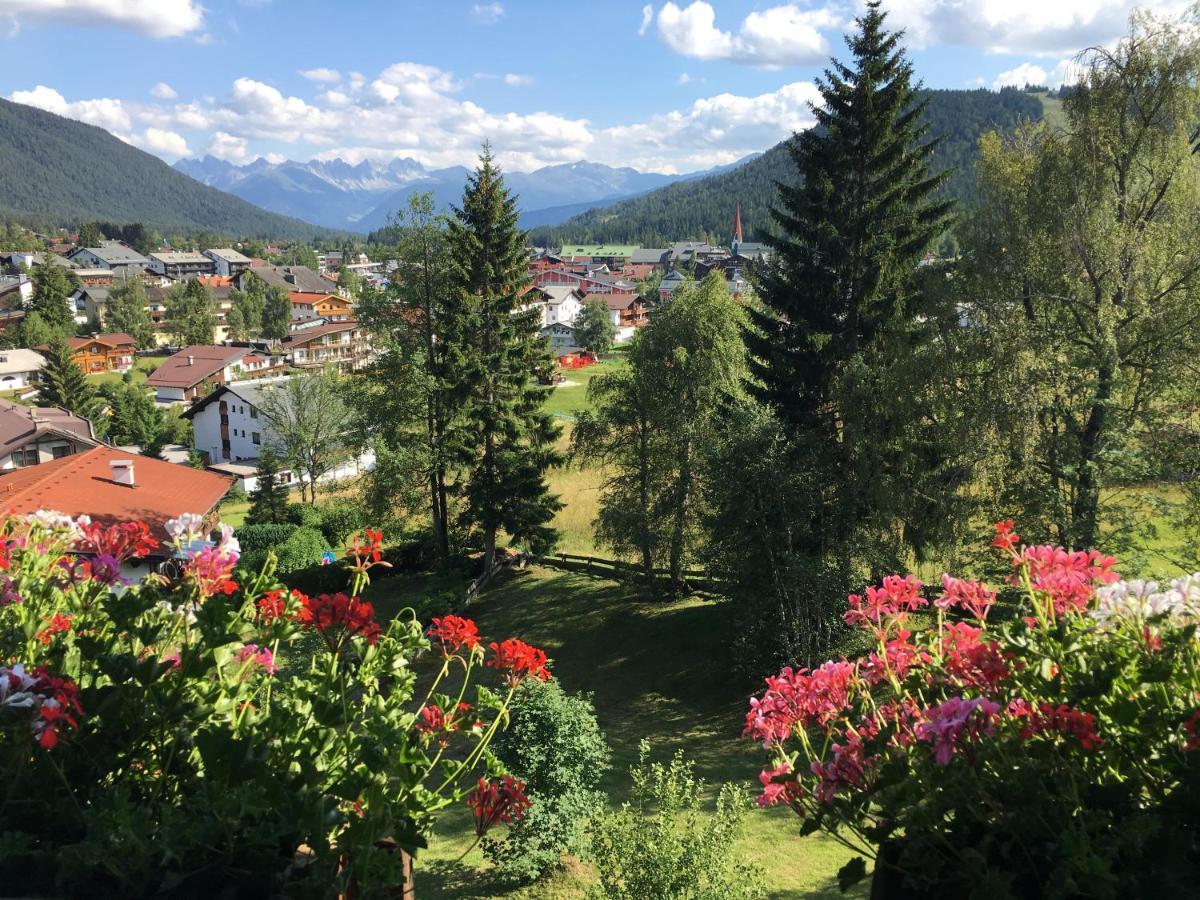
[(116, 340), (307, 335), (598, 249), (228, 255), (192, 365), (557, 293), (250, 392), (648, 255), (295, 278), (615, 301), (82, 484), (180, 258), (21, 424), (115, 253), (20, 360)]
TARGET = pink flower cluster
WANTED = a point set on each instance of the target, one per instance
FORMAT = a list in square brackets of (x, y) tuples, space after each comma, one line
[(970, 596), (1068, 578), (956, 723), (800, 697), (897, 596), (971, 661), (849, 765), (256, 656), (1061, 719)]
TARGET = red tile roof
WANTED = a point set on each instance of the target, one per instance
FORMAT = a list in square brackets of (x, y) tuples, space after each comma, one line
[(117, 339), (82, 484)]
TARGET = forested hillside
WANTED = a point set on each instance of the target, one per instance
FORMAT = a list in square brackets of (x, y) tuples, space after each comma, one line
[(704, 208), (59, 171)]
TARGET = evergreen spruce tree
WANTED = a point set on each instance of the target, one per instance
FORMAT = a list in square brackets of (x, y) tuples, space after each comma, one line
[(127, 311), (846, 315), (269, 500), (52, 287), (506, 441), (64, 384), (276, 314)]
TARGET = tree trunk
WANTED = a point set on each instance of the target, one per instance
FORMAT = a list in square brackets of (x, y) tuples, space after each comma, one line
[(644, 498), (682, 496), (1085, 511)]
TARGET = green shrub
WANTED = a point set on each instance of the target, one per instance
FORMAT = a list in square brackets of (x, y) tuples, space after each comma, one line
[(663, 845), (303, 549), (340, 520), (304, 515), (260, 538), (555, 746)]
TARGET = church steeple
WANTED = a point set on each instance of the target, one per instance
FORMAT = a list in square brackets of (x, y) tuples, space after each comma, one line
[(737, 228)]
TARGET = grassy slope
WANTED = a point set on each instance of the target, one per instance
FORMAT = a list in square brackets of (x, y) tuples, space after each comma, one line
[(142, 367), (656, 671)]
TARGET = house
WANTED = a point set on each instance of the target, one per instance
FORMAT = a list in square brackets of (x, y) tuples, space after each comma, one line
[(671, 281), (612, 255), (562, 304), (685, 252), (341, 344), (183, 377), (228, 262), (19, 368), (298, 279), (179, 265), (592, 283), (15, 290), (30, 435), (107, 256), (230, 427), (102, 352), (644, 262), (110, 486), (330, 307), (220, 287), (561, 336)]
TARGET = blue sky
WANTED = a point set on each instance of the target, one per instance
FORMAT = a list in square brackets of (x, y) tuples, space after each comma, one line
[(674, 87)]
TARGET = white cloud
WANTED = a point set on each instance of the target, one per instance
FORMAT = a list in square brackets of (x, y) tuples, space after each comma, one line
[(322, 75), (163, 91), (1028, 27), (778, 36), (514, 80), (647, 19), (163, 143), (229, 148), (154, 18), (106, 113), (487, 13), (1026, 73)]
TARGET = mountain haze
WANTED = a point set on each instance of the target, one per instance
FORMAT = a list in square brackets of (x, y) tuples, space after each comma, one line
[(704, 208), (56, 170)]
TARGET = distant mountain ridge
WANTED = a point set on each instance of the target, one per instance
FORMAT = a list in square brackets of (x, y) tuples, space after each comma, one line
[(703, 208), (59, 171), (363, 196)]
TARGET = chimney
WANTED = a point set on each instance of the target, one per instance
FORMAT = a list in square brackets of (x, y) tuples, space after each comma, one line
[(191, 360), (122, 471)]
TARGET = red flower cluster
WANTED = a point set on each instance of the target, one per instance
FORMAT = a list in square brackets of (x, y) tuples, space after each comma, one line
[(454, 633), (492, 802), (1061, 719), (211, 570), (121, 541), (1067, 577), (971, 661), (1191, 728), (848, 765), (366, 551), (894, 599), (803, 697), (778, 786), (899, 655), (1006, 538), (54, 701), (517, 660), (272, 605), (971, 596), (325, 613), (57, 624)]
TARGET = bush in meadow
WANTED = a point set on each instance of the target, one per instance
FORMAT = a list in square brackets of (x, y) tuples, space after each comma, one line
[(553, 744), (218, 735), (664, 845), (1052, 753)]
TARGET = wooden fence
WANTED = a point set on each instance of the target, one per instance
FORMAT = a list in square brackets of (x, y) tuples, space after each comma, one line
[(695, 579)]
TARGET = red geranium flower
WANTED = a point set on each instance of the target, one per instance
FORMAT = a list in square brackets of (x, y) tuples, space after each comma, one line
[(454, 632), (57, 624), (121, 541), (271, 606), (517, 660), (1005, 538), (326, 614), (492, 802)]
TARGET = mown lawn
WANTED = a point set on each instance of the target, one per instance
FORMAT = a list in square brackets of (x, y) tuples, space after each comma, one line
[(142, 367), (658, 671)]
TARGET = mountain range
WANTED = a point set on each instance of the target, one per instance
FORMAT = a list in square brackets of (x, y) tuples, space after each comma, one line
[(364, 196), (58, 171)]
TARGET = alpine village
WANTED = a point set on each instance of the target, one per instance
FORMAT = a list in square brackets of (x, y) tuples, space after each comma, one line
[(802, 500)]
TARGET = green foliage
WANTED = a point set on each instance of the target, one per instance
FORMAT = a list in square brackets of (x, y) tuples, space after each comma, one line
[(64, 384), (34, 332), (190, 315), (594, 328), (90, 234), (553, 744), (245, 317), (506, 439), (303, 548), (52, 286), (340, 519), (664, 845), (269, 501), (276, 313), (127, 311), (304, 515), (134, 418), (257, 539), (702, 208), (311, 420), (64, 171)]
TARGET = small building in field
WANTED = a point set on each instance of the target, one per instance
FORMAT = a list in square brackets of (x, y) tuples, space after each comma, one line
[(562, 336)]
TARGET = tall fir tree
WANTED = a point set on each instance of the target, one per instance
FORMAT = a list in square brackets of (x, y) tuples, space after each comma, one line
[(269, 500), (506, 442), (190, 313), (52, 288), (276, 313), (846, 315), (128, 311), (64, 384)]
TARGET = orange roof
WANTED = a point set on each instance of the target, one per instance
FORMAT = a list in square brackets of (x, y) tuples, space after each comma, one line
[(215, 280), (116, 339), (82, 484), (308, 298)]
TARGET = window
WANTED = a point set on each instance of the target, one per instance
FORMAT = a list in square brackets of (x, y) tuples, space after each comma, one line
[(253, 413), (256, 437), (27, 456), (62, 450)]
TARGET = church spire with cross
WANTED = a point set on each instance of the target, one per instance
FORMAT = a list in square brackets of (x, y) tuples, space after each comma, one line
[(737, 229)]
